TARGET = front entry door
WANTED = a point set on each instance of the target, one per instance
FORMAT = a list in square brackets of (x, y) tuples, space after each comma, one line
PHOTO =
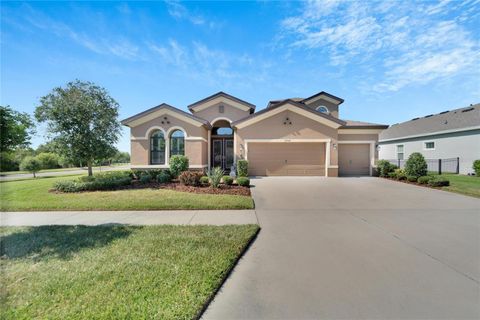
[(222, 153)]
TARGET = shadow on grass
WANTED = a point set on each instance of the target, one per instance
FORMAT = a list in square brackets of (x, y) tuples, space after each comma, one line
[(59, 241)]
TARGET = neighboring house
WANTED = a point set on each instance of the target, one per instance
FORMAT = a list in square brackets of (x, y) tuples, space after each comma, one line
[(449, 134), (289, 137)]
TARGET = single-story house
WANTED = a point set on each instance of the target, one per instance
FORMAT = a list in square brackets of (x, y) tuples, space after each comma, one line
[(447, 135), (298, 136)]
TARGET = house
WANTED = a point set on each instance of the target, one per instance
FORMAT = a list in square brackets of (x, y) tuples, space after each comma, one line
[(447, 135), (298, 136)]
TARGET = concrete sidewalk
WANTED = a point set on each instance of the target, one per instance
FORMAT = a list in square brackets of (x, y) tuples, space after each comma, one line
[(181, 217)]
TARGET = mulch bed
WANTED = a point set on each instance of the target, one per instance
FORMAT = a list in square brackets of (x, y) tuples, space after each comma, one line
[(176, 186), (413, 183)]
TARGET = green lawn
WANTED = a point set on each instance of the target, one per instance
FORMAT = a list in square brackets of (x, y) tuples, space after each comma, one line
[(33, 195), (467, 185), (8, 173), (115, 272)]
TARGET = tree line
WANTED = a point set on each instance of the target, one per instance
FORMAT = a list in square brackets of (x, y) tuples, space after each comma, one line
[(82, 128)]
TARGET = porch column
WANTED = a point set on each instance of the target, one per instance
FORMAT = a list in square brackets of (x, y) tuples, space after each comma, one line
[(327, 156), (209, 152)]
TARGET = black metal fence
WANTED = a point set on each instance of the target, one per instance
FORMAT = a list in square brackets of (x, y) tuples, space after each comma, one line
[(451, 165)]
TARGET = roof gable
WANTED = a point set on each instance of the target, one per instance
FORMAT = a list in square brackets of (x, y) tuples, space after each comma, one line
[(291, 106), (221, 97), (323, 95), (154, 112)]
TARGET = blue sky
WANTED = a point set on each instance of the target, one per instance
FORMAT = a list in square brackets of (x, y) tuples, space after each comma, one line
[(391, 61)]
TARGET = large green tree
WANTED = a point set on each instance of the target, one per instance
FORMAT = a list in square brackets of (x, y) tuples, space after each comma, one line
[(81, 120), (16, 129)]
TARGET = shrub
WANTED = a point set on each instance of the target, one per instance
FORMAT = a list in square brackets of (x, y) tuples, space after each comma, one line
[(145, 178), (86, 179), (242, 168), (164, 176), (416, 165), (31, 164), (385, 167), (243, 181), (227, 180), (215, 175), (400, 174), (49, 160), (204, 180), (476, 167), (438, 182), (178, 164), (67, 186), (424, 179), (412, 179), (392, 175), (190, 178)]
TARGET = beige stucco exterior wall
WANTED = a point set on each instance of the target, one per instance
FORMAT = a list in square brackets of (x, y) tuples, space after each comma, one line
[(211, 113), (195, 140), (191, 130), (273, 128), (332, 107)]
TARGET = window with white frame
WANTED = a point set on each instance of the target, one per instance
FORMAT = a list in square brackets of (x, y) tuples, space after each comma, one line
[(322, 109), (400, 152), (429, 145)]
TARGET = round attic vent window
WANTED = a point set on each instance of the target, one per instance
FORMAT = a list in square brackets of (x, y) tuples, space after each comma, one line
[(322, 109)]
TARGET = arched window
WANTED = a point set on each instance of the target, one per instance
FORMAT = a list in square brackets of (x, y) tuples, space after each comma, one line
[(322, 109), (157, 148), (177, 143)]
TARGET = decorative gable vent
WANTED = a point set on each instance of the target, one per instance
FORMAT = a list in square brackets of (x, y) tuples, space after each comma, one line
[(221, 108), (165, 120)]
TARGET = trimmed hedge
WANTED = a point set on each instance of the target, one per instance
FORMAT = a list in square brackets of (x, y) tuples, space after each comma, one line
[(424, 179), (243, 181), (400, 174), (87, 184), (242, 168), (164, 177), (227, 180), (411, 179), (439, 182), (145, 178)]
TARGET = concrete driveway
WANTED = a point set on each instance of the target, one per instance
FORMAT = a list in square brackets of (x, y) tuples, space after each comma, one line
[(355, 248)]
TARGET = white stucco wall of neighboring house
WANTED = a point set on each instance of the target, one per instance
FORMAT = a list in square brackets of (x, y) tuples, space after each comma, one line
[(465, 145)]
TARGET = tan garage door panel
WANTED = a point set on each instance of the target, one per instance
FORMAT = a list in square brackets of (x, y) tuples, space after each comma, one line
[(353, 159), (286, 159)]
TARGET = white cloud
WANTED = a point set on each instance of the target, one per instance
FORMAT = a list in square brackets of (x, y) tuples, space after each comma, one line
[(179, 11), (197, 60), (120, 47), (408, 42)]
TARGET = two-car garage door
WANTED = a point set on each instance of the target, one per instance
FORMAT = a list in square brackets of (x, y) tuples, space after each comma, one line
[(286, 158), (305, 159)]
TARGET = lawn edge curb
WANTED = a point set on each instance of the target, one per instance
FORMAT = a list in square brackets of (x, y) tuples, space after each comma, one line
[(212, 296)]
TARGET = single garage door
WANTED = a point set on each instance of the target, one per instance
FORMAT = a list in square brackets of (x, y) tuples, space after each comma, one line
[(353, 159), (286, 158)]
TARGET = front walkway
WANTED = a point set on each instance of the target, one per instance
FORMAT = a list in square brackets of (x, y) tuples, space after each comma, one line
[(182, 217)]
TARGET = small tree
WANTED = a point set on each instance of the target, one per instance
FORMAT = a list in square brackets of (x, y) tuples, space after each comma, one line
[(82, 121), (31, 164), (416, 165)]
